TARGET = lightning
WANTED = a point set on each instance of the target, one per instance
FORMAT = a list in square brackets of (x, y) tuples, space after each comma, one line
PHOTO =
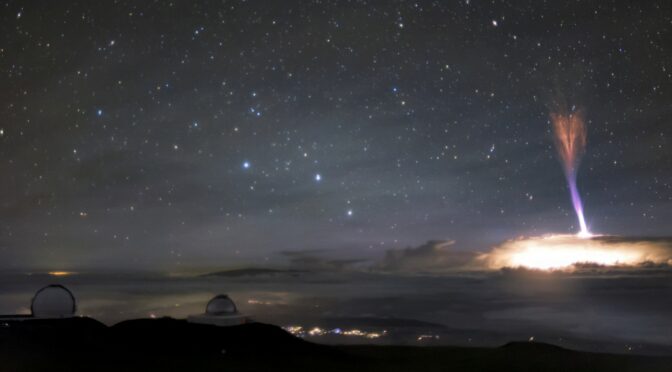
[(570, 141), (567, 252)]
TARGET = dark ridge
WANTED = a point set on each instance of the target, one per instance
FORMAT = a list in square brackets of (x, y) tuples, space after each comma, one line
[(166, 344), (28, 323), (252, 337), (536, 346)]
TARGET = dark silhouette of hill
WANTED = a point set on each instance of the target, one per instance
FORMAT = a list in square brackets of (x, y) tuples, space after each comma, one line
[(84, 344)]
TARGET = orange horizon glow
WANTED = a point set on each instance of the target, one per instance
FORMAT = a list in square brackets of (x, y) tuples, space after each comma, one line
[(61, 273)]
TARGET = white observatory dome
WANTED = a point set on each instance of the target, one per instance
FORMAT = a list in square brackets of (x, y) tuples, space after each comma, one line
[(220, 311), (53, 301), (221, 305)]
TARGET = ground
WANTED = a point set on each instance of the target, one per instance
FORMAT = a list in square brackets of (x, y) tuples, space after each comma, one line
[(83, 344)]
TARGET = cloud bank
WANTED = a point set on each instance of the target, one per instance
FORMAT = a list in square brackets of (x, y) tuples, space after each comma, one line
[(567, 252), (547, 252), (433, 256)]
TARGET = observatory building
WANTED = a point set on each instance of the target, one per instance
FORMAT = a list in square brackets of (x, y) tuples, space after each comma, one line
[(50, 302), (53, 301), (220, 311)]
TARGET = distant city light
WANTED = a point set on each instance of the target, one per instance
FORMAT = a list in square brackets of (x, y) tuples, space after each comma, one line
[(300, 331)]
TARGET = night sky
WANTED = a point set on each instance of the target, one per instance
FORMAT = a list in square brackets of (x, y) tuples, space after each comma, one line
[(164, 135)]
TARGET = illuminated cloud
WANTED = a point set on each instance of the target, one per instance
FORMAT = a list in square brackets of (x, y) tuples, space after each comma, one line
[(566, 252)]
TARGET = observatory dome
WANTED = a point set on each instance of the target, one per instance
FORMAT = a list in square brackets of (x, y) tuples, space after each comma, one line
[(220, 311), (53, 301), (221, 305)]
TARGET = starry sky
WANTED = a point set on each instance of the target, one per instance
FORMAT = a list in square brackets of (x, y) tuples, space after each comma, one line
[(161, 135)]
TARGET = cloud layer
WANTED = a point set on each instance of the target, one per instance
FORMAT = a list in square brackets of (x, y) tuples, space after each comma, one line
[(433, 256), (569, 251), (547, 252)]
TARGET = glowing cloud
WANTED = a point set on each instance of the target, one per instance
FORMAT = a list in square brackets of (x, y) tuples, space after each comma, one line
[(570, 141), (61, 273), (565, 252)]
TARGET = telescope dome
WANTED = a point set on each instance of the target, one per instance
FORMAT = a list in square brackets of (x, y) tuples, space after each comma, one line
[(53, 301), (221, 305)]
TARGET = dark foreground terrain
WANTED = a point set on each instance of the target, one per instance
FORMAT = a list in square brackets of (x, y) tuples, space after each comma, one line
[(84, 344)]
